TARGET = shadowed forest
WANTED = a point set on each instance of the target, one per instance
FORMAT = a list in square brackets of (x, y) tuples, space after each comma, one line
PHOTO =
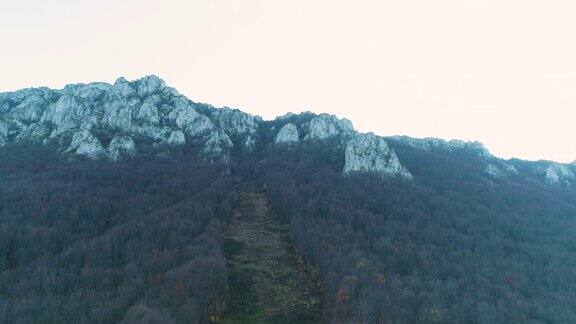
[(171, 240)]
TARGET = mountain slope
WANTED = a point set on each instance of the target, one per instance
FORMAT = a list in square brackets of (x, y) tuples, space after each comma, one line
[(267, 280), (116, 206), (100, 120)]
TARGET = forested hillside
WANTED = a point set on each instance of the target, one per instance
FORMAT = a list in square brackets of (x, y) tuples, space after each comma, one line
[(100, 242), (453, 246), (128, 203)]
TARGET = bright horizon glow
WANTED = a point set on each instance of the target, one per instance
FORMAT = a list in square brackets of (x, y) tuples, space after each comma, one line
[(502, 72)]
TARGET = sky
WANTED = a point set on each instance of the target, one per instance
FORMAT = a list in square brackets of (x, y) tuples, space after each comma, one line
[(502, 72)]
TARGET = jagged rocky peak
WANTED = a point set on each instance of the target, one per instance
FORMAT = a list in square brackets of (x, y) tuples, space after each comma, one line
[(101, 120), (80, 116), (288, 134), (370, 153), (241, 127), (324, 126), (236, 121), (149, 85)]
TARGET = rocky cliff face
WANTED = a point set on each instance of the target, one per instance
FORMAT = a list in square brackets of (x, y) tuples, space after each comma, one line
[(112, 121), (500, 170), (242, 127), (543, 172), (288, 134), (100, 120), (325, 126), (370, 153), (556, 173), (430, 143)]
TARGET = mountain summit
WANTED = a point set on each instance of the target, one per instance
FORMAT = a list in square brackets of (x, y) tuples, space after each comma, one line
[(99, 120), (113, 121), (129, 203)]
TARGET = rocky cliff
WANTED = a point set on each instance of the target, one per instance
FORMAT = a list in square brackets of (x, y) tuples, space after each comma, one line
[(542, 172), (288, 134), (114, 121), (100, 120), (370, 153)]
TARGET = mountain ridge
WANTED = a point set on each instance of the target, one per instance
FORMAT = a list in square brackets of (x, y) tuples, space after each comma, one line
[(134, 204), (113, 121)]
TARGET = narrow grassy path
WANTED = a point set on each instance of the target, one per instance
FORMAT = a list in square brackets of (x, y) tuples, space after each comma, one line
[(268, 283)]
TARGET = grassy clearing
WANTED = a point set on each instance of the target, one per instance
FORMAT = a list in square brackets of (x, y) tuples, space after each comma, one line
[(267, 281)]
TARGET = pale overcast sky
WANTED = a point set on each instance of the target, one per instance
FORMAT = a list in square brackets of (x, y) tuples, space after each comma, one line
[(499, 71)]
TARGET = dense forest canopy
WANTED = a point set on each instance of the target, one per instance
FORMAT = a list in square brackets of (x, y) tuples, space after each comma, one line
[(94, 241), (452, 246), (141, 239)]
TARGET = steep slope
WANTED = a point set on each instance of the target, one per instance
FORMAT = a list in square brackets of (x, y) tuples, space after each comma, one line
[(455, 245), (538, 173), (103, 121), (86, 241), (400, 230), (268, 281), (100, 120)]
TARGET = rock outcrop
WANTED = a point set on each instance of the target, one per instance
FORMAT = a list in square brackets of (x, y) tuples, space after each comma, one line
[(85, 143), (81, 117), (217, 144), (176, 138), (3, 132), (556, 173), (113, 121), (121, 146), (325, 126), (288, 134), (370, 153), (242, 128), (502, 170), (430, 143)]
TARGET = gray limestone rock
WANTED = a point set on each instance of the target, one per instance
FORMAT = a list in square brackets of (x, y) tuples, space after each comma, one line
[(85, 143), (556, 173), (121, 146), (238, 125), (176, 138), (430, 143), (149, 85), (148, 111), (325, 126), (288, 134), (189, 120), (218, 143), (125, 111), (370, 153)]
